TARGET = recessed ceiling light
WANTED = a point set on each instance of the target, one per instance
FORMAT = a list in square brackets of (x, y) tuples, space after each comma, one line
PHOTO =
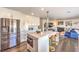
[(42, 9), (32, 13), (68, 11)]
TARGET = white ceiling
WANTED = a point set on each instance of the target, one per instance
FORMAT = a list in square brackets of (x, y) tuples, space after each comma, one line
[(54, 12)]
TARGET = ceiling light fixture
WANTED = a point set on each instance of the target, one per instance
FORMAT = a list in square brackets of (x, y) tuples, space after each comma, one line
[(32, 13), (68, 11), (42, 9)]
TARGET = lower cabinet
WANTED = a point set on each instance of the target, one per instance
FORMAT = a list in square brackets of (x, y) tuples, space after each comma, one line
[(31, 46), (37, 44)]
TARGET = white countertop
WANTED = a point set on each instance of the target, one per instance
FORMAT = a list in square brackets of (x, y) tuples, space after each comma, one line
[(38, 35)]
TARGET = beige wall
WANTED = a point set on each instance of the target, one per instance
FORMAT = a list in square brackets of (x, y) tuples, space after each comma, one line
[(25, 19), (75, 22)]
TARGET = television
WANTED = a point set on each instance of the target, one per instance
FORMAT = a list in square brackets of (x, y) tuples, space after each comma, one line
[(50, 24), (60, 29)]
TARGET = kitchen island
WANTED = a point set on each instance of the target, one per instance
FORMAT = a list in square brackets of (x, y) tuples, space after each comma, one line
[(39, 42)]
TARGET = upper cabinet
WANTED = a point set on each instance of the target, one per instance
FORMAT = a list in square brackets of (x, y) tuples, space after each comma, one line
[(34, 21), (31, 20)]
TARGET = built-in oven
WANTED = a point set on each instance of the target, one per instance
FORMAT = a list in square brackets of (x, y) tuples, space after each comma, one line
[(30, 41)]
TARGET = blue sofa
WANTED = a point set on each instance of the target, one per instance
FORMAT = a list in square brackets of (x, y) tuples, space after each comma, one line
[(72, 34)]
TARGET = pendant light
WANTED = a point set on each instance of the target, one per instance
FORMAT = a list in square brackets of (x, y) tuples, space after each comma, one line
[(47, 20)]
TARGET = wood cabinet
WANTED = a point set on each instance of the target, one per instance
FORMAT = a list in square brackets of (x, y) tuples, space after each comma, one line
[(4, 22), (9, 33)]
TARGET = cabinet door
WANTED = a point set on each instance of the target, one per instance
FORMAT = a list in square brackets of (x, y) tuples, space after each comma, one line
[(18, 32), (5, 44), (0, 34), (4, 33), (12, 33)]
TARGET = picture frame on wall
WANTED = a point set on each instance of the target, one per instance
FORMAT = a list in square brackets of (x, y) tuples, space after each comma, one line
[(69, 23), (60, 23)]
